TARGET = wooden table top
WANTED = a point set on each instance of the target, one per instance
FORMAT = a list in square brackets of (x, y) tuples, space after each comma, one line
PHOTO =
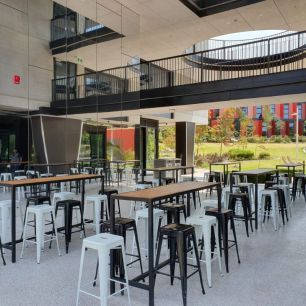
[(255, 171), (161, 192), (46, 180), (169, 168), (226, 163), (290, 165)]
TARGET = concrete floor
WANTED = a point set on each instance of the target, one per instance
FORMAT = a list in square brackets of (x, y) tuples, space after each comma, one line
[(272, 272)]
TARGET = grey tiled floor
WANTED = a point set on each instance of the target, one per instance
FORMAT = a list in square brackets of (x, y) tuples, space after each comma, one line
[(272, 272)]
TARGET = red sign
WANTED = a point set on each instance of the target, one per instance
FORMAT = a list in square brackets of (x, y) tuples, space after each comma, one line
[(16, 79)]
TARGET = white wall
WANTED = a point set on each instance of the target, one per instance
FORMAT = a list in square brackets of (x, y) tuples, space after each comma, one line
[(24, 51)]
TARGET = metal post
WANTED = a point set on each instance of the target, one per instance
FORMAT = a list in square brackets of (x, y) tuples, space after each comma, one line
[(13, 224)]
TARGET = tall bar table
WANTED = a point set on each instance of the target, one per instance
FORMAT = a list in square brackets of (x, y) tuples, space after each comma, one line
[(38, 181), (225, 165), (152, 196), (256, 174)]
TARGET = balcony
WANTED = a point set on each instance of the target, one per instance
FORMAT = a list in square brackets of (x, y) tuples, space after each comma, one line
[(73, 31)]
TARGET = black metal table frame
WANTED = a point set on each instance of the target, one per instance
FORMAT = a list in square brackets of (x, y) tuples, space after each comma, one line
[(12, 245), (225, 168), (256, 175), (135, 282), (176, 169), (293, 166)]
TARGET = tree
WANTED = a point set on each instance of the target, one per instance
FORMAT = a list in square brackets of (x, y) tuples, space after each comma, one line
[(224, 130)]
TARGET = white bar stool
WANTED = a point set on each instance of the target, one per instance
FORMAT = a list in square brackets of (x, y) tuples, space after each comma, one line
[(204, 223), (62, 196), (133, 203), (96, 201), (5, 208), (143, 214), (103, 243), (274, 206), (39, 211), (6, 176)]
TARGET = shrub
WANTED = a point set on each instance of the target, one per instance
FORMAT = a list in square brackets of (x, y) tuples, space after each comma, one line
[(264, 155), (215, 157), (239, 154)]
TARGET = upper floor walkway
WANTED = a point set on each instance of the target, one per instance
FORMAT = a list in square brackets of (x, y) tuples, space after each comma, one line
[(262, 68)]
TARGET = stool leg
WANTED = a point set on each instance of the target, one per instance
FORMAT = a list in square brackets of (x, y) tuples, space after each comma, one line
[(224, 223), (82, 221), (55, 231), (103, 272), (235, 238), (5, 216), (215, 229), (245, 213), (39, 235), (97, 212), (2, 255), (125, 272), (159, 246), (182, 257), (24, 233), (137, 245), (80, 274), (133, 243), (68, 224), (207, 246), (198, 260), (172, 258)]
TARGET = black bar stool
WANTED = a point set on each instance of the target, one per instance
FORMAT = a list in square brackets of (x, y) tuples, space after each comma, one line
[(178, 236), (224, 216), (246, 206), (68, 206), (108, 192), (122, 225), (173, 211), (1, 250)]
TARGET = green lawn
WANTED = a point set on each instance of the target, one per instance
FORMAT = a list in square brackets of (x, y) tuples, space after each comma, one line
[(276, 150)]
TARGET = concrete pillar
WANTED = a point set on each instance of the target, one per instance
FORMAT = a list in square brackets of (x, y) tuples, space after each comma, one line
[(184, 140)]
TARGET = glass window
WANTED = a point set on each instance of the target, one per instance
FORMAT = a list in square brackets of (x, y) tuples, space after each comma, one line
[(286, 111), (258, 112), (245, 110), (272, 109), (291, 128)]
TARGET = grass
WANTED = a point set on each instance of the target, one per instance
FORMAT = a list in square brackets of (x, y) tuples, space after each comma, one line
[(276, 150)]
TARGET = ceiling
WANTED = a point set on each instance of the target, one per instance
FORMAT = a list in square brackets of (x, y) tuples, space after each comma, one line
[(158, 28)]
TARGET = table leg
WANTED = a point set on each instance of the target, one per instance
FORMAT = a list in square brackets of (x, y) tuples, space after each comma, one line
[(83, 194), (219, 197), (192, 173), (160, 178), (224, 173), (13, 224), (151, 255), (256, 203), (112, 252)]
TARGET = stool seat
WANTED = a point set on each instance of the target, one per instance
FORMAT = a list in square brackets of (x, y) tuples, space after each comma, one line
[(175, 228), (43, 208), (104, 240), (173, 211), (68, 202), (103, 244), (38, 199)]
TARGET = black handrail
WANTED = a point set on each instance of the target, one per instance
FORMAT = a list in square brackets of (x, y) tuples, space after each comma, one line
[(269, 55)]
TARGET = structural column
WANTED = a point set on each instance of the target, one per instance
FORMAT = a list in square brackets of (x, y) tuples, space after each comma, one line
[(184, 142)]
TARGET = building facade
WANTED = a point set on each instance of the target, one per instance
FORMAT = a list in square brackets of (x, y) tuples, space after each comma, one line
[(284, 122)]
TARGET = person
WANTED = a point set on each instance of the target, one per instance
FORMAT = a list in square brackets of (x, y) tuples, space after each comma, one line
[(15, 160)]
